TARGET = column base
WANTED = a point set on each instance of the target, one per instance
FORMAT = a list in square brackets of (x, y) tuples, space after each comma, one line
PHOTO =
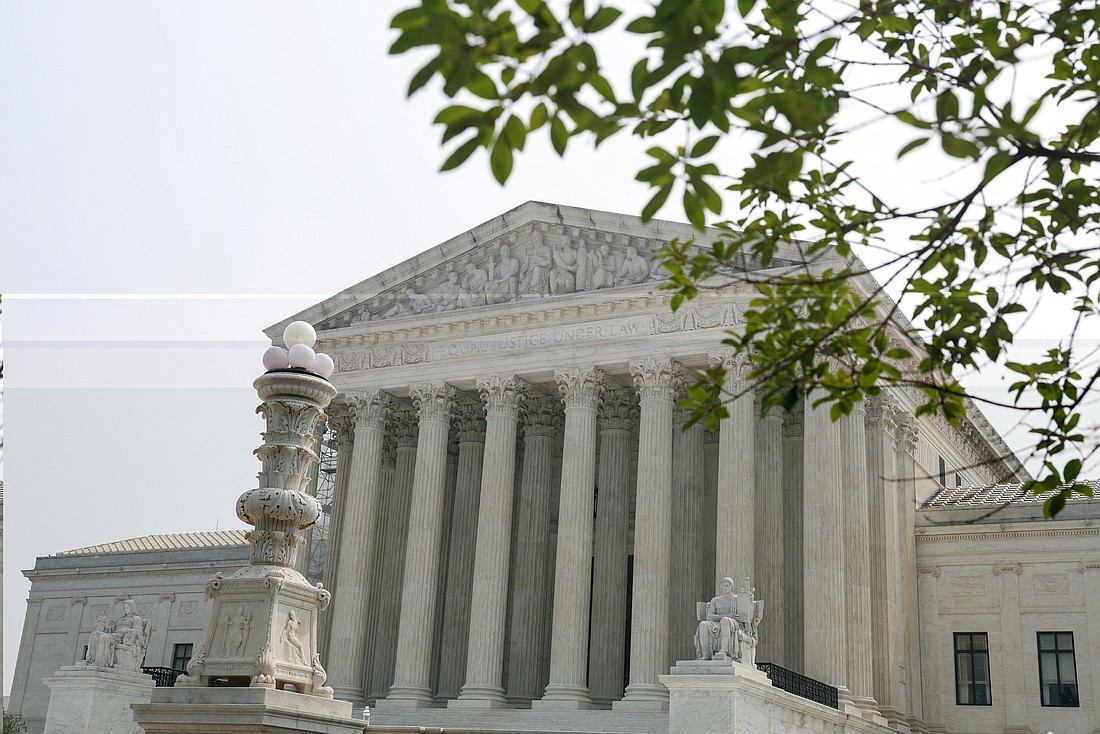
[(895, 718), (408, 697), (643, 697), (565, 697)]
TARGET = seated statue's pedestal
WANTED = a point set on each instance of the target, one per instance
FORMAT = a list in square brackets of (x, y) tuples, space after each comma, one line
[(724, 696), (89, 699), (244, 710)]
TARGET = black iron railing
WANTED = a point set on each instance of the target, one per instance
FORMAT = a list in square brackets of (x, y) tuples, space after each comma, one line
[(800, 685), (164, 677)]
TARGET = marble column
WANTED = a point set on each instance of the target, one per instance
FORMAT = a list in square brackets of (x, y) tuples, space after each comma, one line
[(344, 427), (375, 643), (581, 389), (489, 606), (825, 652), (771, 537), (420, 589), (470, 423), (691, 576), (350, 597), (618, 414), (707, 541), (449, 491), (793, 627), (908, 630), (542, 419), (657, 382), (1090, 572), (735, 552), (852, 460), (883, 546), (395, 516)]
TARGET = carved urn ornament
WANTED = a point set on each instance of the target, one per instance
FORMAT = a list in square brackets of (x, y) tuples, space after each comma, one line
[(263, 630)]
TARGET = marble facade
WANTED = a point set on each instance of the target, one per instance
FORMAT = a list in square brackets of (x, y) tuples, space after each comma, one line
[(530, 444)]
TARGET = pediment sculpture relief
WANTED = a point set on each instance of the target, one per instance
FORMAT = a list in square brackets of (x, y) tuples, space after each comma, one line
[(535, 262)]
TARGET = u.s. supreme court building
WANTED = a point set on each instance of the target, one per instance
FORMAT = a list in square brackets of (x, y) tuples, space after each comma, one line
[(522, 527)]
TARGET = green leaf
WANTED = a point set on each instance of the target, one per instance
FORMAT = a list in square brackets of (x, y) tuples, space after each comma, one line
[(704, 146), (656, 202), (461, 153), (602, 19), (744, 7), (559, 135), (911, 146), (515, 132), (500, 159)]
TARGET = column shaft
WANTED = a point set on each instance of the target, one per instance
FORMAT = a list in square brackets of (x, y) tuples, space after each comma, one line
[(531, 580), (345, 441), (618, 413), (581, 389), (735, 551), (771, 538), (884, 546), (908, 619), (395, 539), (460, 560), (691, 577), (489, 608), (857, 559), (375, 643), (657, 382), (420, 592), (350, 597), (792, 554), (823, 557)]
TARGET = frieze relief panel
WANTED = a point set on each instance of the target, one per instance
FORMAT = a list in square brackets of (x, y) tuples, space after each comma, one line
[(536, 261), (968, 586), (1053, 583)]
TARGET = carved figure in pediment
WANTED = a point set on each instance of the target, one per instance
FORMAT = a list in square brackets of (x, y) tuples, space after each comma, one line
[(563, 278), (601, 268), (633, 269), (504, 277), (446, 295), (536, 276), (474, 284)]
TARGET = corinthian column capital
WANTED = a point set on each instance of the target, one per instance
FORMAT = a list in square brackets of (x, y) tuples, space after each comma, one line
[(581, 387), (502, 395), (433, 402), (541, 416), (737, 367), (469, 423), (370, 408), (618, 410), (657, 379)]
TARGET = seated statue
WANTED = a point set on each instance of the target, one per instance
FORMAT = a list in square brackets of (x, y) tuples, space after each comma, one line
[(119, 644), (728, 625)]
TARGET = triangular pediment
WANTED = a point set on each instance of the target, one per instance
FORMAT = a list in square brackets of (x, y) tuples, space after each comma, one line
[(532, 252)]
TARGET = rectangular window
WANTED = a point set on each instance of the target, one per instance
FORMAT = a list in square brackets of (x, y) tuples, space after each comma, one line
[(181, 655), (972, 669), (943, 472), (1057, 669), (958, 479)]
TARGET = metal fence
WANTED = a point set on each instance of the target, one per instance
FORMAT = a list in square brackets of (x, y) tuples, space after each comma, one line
[(164, 677), (800, 685)]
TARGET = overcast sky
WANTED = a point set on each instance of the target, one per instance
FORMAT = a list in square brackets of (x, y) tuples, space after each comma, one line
[(176, 177)]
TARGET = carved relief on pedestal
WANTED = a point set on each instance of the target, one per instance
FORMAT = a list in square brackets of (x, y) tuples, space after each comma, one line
[(538, 260)]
